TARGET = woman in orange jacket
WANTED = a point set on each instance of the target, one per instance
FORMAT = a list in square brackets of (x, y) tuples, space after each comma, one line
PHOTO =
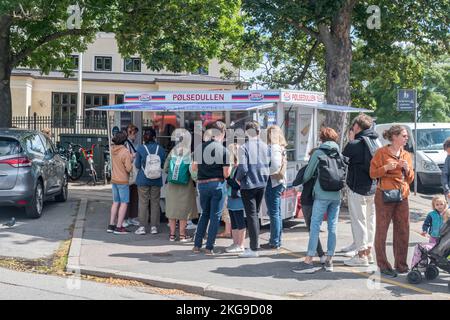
[(392, 166)]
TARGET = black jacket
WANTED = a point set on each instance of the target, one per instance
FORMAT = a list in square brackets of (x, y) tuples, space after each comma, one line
[(306, 198), (358, 178)]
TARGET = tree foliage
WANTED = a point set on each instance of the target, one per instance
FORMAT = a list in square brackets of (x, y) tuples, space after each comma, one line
[(394, 56), (167, 34)]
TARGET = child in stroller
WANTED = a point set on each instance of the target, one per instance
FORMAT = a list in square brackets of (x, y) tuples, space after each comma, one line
[(430, 256)]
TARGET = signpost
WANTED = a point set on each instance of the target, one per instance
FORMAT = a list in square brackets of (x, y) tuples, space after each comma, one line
[(407, 101)]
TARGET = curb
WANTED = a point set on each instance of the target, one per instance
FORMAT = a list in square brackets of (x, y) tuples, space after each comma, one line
[(73, 261), (194, 287)]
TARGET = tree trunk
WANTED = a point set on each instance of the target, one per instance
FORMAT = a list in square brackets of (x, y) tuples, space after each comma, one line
[(338, 59), (338, 55), (5, 73)]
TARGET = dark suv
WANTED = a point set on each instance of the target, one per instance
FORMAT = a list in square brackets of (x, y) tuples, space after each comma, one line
[(31, 171)]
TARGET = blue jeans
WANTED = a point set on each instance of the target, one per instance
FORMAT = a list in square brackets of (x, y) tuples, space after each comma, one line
[(273, 203), (320, 207), (212, 199)]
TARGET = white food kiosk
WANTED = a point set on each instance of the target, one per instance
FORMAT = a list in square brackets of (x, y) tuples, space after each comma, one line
[(300, 114)]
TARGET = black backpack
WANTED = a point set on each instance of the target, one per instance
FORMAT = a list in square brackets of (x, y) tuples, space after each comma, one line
[(332, 170)]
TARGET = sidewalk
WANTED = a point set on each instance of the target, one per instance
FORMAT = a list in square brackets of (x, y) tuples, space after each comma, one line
[(152, 258)]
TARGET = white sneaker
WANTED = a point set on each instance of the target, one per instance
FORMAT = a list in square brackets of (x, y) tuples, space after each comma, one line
[(133, 222), (154, 230), (140, 231), (190, 225), (234, 249), (248, 253), (323, 259), (357, 261), (351, 247), (350, 254)]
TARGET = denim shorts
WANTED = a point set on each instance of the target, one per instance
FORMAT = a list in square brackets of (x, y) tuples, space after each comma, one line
[(121, 193)]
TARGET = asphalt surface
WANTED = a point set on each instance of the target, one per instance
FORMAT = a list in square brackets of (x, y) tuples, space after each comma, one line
[(36, 238), (28, 286)]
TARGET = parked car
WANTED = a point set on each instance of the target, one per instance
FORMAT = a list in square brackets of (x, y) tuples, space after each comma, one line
[(31, 171), (430, 150)]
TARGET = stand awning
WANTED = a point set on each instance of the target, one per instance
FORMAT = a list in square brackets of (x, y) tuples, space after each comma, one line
[(174, 107)]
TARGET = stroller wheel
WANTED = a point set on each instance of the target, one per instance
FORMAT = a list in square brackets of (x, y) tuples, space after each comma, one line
[(431, 272), (414, 277)]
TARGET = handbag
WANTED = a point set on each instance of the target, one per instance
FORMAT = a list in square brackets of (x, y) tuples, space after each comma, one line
[(393, 195)]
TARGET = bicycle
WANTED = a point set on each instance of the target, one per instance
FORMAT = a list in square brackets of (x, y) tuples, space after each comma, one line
[(107, 165), (75, 167), (89, 156)]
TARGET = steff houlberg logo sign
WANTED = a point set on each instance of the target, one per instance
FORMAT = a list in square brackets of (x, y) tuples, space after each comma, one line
[(145, 97), (256, 96)]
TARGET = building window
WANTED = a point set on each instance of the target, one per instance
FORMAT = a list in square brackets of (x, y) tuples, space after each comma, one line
[(103, 63), (64, 109), (132, 65), (201, 71), (93, 118), (75, 61)]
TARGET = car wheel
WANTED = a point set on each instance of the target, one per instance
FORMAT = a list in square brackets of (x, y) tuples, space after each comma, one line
[(34, 209), (62, 197)]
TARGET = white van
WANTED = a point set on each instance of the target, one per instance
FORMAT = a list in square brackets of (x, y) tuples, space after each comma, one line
[(430, 150)]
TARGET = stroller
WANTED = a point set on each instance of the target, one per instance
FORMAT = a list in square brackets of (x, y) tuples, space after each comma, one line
[(432, 260)]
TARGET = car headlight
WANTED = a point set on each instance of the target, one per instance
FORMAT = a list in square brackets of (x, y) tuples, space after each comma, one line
[(429, 166)]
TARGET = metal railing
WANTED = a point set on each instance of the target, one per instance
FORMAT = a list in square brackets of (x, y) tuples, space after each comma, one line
[(76, 125)]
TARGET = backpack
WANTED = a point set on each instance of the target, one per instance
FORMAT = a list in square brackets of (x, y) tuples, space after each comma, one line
[(281, 174), (152, 168), (179, 169), (372, 144), (332, 170)]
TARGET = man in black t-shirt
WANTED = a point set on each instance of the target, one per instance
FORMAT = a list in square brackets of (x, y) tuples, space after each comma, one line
[(211, 161)]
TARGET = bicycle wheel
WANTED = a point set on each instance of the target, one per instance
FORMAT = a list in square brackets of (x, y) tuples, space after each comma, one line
[(77, 171), (94, 177)]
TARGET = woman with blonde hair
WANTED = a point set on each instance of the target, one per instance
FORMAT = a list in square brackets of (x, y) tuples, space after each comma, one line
[(276, 184), (180, 192)]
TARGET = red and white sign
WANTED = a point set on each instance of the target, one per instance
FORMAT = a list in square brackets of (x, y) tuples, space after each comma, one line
[(302, 96)]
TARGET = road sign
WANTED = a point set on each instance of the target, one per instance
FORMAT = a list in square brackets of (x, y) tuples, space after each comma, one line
[(406, 100)]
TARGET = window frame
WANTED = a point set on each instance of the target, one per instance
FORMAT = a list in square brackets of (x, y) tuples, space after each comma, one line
[(132, 64), (103, 61), (58, 119)]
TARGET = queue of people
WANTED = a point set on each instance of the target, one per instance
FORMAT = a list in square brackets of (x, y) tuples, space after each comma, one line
[(237, 179)]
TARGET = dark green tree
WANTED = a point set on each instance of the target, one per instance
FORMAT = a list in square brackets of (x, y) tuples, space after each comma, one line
[(171, 34), (318, 33)]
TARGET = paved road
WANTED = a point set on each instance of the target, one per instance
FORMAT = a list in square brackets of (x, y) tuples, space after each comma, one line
[(37, 238), (29, 286)]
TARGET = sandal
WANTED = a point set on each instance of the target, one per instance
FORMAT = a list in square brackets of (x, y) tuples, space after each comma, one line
[(172, 237)]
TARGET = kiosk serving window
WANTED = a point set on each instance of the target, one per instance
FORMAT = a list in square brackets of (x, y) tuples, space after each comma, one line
[(205, 117), (164, 123), (290, 132)]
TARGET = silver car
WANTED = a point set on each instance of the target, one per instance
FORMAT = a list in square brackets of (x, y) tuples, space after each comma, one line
[(31, 171)]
